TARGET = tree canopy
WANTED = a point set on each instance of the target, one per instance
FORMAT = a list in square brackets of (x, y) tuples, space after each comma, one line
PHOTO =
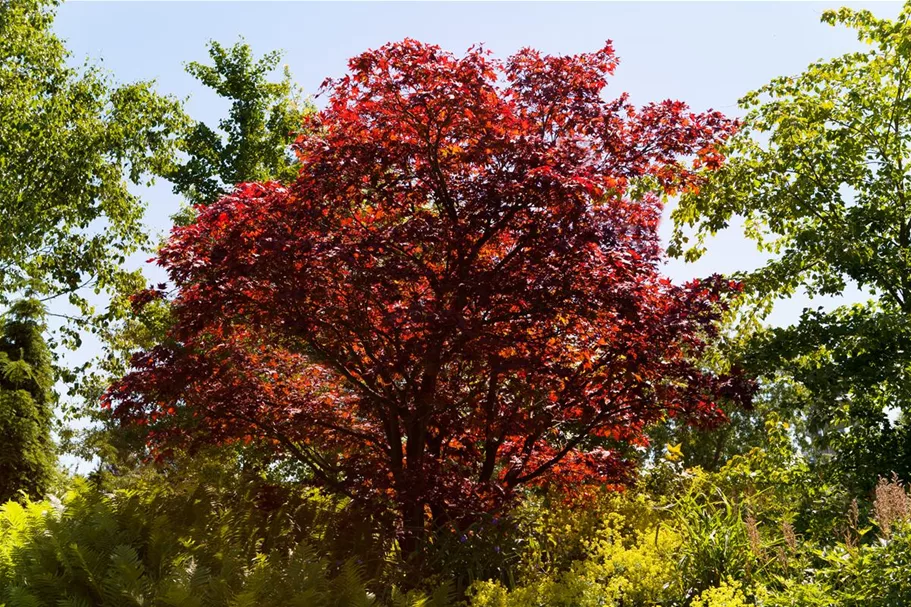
[(417, 348), (819, 173), (71, 144), (460, 293), (253, 143)]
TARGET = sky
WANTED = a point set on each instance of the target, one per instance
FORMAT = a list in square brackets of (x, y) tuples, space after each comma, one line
[(708, 54)]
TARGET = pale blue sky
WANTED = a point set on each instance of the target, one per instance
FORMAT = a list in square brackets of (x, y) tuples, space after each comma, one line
[(707, 54)]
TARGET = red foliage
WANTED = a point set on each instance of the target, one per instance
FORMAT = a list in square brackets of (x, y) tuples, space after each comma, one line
[(140, 299), (460, 294)]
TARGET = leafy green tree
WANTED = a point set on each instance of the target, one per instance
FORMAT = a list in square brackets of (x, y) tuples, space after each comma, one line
[(253, 142), (71, 144), (28, 456), (708, 449), (819, 174)]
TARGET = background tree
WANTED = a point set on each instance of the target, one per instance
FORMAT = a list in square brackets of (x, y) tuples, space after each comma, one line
[(707, 448), (253, 143), (71, 143), (819, 172), (28, 456), (459, 295)]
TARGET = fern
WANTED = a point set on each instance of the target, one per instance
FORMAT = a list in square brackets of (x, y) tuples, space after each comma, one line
[(196, 543)]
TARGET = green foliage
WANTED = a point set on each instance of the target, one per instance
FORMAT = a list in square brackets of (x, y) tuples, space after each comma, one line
[(818, 173), (736, 537), (723, 595), (253, 142), (71, 143), (612, 549), (718, 539), (223, 532), (758, 512), (615, 571), (28, 455), (873, 574), (849, 371), (709, 448), (485, 549), (98, 550), (212, 538), (100, 437)]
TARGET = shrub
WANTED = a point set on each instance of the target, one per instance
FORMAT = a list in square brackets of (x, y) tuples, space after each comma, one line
[(615, 551), (726, 594), (127, 548), (211, 534)]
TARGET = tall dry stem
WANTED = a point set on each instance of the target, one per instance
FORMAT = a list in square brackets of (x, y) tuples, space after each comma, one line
[(790, 536), (852, 536), (753, 535), (891, 504)]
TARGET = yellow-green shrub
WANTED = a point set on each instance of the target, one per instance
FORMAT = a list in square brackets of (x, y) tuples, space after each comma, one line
[(618, 565), (726, 594), (554, 534)]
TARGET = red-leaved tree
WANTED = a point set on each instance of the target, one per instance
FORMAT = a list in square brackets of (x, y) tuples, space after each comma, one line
[(461, 293)]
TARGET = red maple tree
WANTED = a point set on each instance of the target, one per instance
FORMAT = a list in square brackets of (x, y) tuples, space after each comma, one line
[(460, 294)]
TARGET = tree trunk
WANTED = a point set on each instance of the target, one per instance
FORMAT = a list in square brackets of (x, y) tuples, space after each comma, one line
[(414, 532)]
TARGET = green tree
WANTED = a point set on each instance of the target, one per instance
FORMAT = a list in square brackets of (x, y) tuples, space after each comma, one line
[(819, 175), (708, 449), (71, 145), (253, 142), (28, 457)]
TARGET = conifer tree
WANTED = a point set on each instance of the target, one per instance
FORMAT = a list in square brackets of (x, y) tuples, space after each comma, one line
[(27, 455)]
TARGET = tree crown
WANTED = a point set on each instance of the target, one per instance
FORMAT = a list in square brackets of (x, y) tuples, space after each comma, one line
[(459, 294)]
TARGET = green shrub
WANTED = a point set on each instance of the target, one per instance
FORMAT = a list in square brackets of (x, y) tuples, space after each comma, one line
[(615, 551), (219, 532), (724, 595), (126, 549)]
